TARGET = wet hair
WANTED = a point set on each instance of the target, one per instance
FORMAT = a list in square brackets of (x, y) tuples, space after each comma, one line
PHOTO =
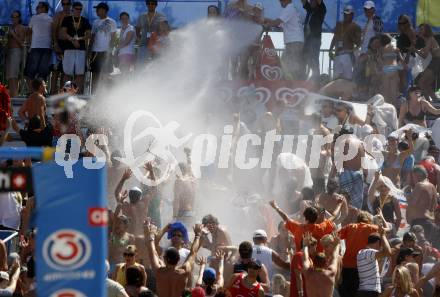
[(209, 219), (37, 83), (308, 194), (222, 292), (405, 284), (124, 13), (134, 276), (34, 123), (364, 217), (409, 237), (245, 250), (327, 240), (151, 1), (332, 186), (171, 256), (402, 146), (373, 238), (278, 283), (311, 214), (319, 260)]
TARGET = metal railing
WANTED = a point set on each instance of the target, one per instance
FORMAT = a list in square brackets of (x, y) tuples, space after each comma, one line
[(323, 57)]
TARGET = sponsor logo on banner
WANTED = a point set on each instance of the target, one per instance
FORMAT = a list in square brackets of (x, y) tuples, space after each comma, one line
[(15, 179), (98, 216), (66, 249), (68, 293)]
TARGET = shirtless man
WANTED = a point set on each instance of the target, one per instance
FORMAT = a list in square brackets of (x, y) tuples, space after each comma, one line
[(136, 206), (422, 202), (351, 176), (331, 199), (171, 278), (35, 105), (319, 272), (220, 237), (184, 193)]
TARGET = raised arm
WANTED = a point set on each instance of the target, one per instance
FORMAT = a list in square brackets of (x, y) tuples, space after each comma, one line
[(373, 187), (198, 229), (118, 191), (220, 255), (429, 108), (149, 231), (386, 249), (434, 272), (282, 214), (337, 210), (201, 261), (406, 153), (159, 236)]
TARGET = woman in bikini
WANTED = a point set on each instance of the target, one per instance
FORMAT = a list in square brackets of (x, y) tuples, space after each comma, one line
[(415, 109), (394, 159), (382, 195)]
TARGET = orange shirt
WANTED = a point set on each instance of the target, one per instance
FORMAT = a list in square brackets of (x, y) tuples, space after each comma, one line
[(356, 238), (317, 230)]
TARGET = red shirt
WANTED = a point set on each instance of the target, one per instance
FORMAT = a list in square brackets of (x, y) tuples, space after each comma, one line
[(238, 289), (317, 230)]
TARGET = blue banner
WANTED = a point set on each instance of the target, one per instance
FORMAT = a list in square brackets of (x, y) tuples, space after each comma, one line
[(72, 234)]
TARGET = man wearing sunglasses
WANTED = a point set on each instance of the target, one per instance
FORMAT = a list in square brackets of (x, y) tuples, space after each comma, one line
[(147, 24), (130, 254), (373, 27)]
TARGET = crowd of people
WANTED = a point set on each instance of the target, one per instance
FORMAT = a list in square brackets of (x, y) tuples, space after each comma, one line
[(293, 229)]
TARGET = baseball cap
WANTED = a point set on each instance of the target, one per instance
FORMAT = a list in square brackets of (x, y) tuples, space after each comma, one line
[(348, 9), (4, 275), (209, 274), (130, 249), (102, 5), (260, 233), (369, 4)]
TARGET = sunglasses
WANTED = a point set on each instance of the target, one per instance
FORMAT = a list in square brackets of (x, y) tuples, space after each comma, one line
[(78, 9), (66, 4), (177, 235), (14, 16), (403, 23), (339, 110), (128, 255)]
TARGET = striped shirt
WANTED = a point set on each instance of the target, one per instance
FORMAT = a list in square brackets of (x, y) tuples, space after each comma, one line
[(368, 269)]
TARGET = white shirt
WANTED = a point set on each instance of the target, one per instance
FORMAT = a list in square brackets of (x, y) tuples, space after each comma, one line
[(368, 269), (41, 25), (368, 33), (264, 255), (114, 289), (103, 30), (10, 210), (183, 253), (291, 23), (129, 49)]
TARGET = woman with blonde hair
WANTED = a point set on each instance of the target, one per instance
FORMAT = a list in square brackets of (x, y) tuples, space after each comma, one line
[(402, 285), (280, 286)]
